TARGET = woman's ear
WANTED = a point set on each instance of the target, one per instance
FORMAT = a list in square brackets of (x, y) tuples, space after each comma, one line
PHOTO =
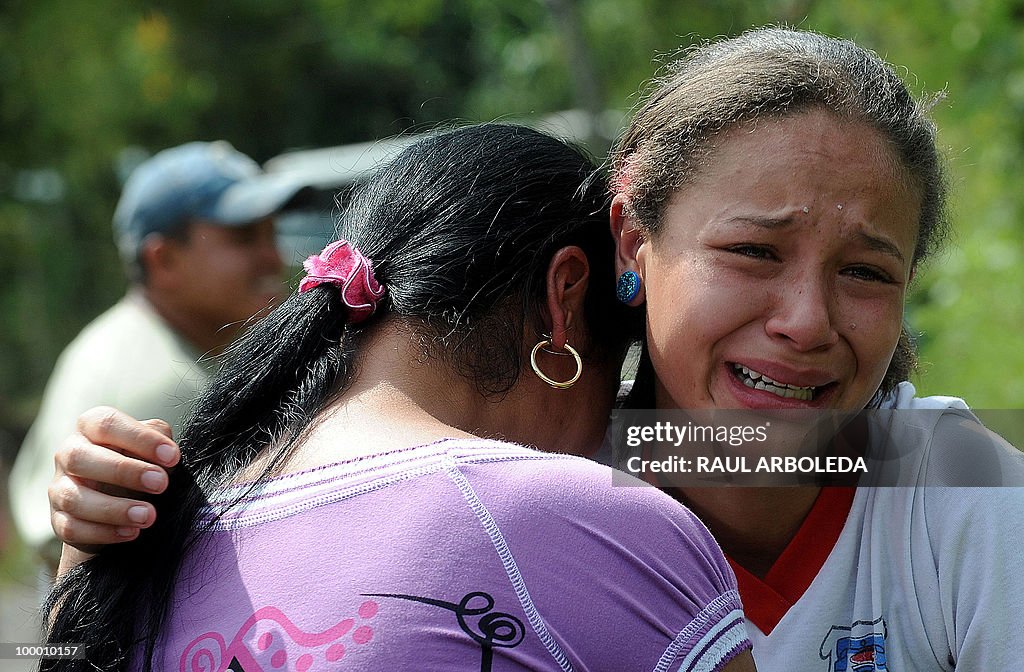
[(629, 240), (568, 278)]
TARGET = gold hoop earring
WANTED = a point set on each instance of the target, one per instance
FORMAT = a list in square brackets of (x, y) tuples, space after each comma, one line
[(561, 385)]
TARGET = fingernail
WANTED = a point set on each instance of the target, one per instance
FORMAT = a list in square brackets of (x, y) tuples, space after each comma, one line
[(127, 531), (166, 453), (138, 514), (153, 481)]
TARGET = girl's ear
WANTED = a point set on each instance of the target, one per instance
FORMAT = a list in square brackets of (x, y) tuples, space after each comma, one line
[(629, 239)]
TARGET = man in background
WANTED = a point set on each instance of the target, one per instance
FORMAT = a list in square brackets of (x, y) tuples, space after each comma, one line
[(195, 229)]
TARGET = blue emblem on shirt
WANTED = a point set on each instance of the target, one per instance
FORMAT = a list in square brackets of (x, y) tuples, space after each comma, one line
[(858, 648)]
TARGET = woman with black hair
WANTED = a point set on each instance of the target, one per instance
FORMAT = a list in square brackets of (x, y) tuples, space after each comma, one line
[(335, 505)]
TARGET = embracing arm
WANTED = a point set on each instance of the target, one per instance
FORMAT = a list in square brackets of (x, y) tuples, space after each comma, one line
[(103, 473)]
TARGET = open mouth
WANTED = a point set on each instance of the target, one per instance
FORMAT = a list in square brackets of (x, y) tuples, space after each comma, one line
[(758, 381)]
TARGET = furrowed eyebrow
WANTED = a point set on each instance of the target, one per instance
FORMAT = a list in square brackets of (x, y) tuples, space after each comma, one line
[(879, 244), (761, 222), (872, 242)]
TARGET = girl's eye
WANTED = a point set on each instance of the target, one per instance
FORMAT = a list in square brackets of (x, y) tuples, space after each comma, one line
[(869, 274), (753, 251)]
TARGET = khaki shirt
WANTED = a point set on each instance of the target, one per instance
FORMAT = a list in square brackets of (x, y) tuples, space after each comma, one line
[(128, 358)]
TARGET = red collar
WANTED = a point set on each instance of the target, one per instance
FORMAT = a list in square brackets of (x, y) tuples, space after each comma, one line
[(767, 600)]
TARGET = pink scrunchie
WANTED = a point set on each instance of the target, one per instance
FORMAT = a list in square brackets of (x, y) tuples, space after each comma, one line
[(345, 267)]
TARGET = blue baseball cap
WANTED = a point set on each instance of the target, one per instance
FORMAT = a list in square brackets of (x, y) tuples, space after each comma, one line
[(211, 181)]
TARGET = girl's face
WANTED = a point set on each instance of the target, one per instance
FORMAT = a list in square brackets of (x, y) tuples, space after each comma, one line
[(777, 278)]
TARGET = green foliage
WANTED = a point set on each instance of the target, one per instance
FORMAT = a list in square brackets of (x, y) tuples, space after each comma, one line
[(81, 81)]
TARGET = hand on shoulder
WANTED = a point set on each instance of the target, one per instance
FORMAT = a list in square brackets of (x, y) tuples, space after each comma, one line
[(103, 473)]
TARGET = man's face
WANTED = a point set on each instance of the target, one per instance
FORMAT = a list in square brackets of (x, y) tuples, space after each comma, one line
[(229, 274)]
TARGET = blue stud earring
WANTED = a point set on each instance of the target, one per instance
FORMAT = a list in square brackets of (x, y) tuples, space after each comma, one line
[(628, 286)]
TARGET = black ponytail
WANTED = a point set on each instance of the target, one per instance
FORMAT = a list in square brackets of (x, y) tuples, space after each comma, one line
[(273, 382)]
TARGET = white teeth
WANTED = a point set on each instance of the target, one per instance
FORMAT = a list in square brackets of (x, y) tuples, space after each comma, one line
[(765, 383)]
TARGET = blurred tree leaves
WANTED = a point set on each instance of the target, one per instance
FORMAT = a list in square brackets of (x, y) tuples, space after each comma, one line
[(81, 81)]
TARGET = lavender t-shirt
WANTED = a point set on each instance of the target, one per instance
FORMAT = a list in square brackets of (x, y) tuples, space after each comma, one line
[(458, 555)]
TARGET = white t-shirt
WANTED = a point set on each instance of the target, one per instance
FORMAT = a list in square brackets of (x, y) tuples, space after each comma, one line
[(903, 578), (128, 358)]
